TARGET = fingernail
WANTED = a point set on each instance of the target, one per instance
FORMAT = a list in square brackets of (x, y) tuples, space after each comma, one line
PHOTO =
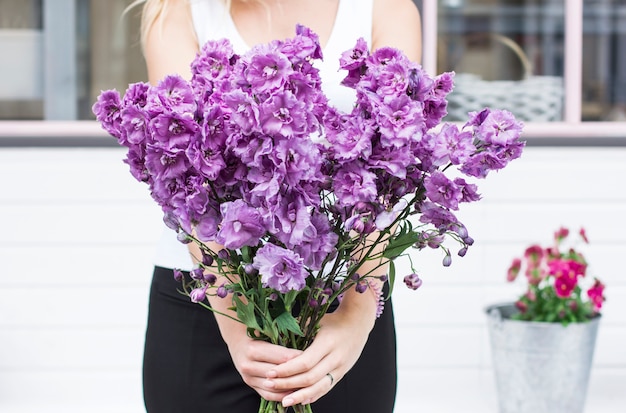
[(269, 384), (287, 401), (271, 374)]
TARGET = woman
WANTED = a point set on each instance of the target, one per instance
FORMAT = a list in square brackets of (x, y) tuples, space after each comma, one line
[(196, 362)]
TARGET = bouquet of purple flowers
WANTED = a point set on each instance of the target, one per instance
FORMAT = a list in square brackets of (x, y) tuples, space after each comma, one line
[(249, 154)]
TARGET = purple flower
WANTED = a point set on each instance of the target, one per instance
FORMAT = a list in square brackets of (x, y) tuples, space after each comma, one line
[(214, 60), (399, 120), (452, 145), (350, 137), (385, 219), (178, 274), (420, 84), (318, 242), (468, 191), (221, 291), (206, 225), (353, 61), (284, 115), (135, 125), (241, 225), (305, 45), (500, 127), (292, 219), (280, 268), (480, 164), (438, 216), (174, 131), (172, 94), (267, 70), (413, 281), (353, 183), (443, 191), (136, 95), (197, 294), (244, 111), (107, 109), (164, 164)]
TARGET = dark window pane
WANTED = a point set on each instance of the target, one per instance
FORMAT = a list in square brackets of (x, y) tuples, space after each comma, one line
[(604, 60), (506, 54)]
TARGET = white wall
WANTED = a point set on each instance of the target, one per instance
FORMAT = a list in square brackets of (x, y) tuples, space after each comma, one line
[(76, 241)]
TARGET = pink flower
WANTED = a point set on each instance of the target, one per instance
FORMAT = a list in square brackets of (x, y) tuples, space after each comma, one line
[(561, 234), (533, 255), (583, 235), (514, 269), (565, 283), (596, 295)]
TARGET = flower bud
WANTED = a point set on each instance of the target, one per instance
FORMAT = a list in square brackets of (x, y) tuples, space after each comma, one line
[(197, 295), (361, 287), (223, 255), (210, 278), (462, 252), (413, 281), (197, 273), (171, 221), (250, 270), (384, 278), (183, 237), (447, 260), (221, 292), (207, 259), (178, 275)]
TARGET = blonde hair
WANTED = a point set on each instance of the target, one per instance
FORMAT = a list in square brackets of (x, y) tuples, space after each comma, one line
[(152, 10)]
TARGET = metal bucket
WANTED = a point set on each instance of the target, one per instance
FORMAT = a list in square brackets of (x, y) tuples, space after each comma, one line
[(540, 367)]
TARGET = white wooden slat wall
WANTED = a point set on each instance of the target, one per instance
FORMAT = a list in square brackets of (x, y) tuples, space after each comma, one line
[(77, 235)]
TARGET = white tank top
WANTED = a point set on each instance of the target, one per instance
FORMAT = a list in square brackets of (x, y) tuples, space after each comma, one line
[(212, 21)]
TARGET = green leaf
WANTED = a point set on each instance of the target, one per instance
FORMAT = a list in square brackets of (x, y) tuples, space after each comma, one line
[(286, 322), (290, 297), (398, 244), (392, 277), (245, 313)]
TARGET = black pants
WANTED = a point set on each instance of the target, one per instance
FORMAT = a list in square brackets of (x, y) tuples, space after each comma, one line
[(187, 367)]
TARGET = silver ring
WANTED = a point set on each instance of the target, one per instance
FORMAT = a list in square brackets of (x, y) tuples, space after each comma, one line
[(332, 379)]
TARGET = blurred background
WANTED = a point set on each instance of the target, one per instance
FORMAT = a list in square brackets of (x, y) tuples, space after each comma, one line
[(77, 233)]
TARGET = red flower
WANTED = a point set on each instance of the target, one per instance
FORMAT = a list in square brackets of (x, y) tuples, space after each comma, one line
[(564, 286), (583, 235), (533, 255), (513, 270), (596, 295), (561, 234)]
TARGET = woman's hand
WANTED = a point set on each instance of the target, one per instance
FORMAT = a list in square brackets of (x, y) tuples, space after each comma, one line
[(336, 348), (254, 358)]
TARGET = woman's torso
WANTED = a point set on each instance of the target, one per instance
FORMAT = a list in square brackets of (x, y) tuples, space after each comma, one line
[(212, 21)]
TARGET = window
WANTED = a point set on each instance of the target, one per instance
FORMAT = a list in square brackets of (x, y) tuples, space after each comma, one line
[(63, 52), (558, 64)]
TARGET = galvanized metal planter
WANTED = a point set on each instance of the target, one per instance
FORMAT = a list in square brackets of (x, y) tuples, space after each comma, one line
[(540, 367)]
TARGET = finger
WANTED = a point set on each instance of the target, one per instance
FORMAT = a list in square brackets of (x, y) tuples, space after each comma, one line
[(303, 363), (297, 381), (310, 394), (271, 353), (274, 396)]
